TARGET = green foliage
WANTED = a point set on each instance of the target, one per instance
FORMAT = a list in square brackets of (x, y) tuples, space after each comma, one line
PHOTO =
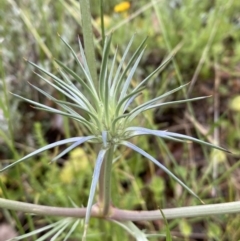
[(29, 30), (201, 24)]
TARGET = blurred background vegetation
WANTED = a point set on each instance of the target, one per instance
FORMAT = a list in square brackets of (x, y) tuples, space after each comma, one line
[(207, 34)]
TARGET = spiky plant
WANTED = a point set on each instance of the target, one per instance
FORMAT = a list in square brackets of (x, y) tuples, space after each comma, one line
[(109, 110)]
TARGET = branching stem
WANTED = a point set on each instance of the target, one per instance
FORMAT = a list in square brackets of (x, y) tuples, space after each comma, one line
[(124, 215)]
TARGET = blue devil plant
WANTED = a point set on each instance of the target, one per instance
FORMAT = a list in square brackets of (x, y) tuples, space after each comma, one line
[(109, 109)]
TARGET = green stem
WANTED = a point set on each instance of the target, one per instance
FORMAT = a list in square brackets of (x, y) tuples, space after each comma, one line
[(173, 213), (125, 215), (102, 22), (105, 183), (46, 210), (88, 37)]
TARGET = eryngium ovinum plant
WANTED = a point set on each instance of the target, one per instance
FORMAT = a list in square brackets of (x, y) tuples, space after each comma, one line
[(109, 111)]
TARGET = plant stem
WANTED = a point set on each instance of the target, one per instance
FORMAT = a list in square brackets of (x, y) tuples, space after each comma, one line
[(105, 182), (124, 215), (102, 22), (46, 210), (88, 37), (173, 213)]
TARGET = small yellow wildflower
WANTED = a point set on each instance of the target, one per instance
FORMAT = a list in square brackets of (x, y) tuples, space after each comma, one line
[(235, 104), (122, 7), (218, 155), (67, 174), (78, 162)]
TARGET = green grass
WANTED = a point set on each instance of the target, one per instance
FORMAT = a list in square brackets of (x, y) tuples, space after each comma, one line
[(209, 35)]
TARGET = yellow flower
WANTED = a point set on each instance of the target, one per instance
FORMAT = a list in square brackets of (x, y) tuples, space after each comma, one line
[(78, 162), (235, 103), (219, 156), (122, 7)]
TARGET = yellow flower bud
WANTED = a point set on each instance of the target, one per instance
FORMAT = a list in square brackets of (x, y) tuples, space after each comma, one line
[(122, 7)]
